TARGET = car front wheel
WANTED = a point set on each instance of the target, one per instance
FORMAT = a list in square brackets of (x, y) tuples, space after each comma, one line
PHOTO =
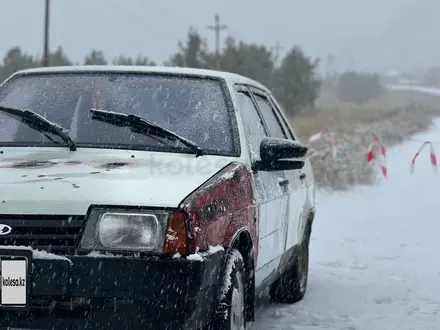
[(292, 284), (232, 295)]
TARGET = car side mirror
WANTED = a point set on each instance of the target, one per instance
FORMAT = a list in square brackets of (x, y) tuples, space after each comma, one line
[(277, 165), (280, 155), (276, 148)]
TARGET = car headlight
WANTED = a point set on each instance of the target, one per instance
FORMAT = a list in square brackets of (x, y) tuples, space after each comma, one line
[(125, 230)]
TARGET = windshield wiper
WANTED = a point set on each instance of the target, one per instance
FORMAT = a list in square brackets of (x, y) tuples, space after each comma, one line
[(142, 126), (41, 124)]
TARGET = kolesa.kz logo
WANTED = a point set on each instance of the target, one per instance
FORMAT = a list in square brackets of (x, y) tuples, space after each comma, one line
[(13, 281)]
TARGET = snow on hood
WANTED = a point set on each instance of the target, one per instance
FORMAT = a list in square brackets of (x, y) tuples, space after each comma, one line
[(59, 181)]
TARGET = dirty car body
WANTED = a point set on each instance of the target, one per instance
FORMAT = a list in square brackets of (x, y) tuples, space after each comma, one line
[(130, 227)]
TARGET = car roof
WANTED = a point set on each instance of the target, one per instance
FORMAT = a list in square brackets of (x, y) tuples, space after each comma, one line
[(230, 78)]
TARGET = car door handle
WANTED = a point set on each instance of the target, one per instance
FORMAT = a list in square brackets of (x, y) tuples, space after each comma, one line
[(302, 176), (283, 182)]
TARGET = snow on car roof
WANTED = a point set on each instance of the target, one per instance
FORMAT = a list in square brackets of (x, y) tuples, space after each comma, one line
[(230, 78)]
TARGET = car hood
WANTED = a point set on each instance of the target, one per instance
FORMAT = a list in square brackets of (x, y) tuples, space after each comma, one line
[(59, 181)]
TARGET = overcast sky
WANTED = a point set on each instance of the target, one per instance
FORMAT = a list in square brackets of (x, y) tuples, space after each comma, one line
[(365, 34)]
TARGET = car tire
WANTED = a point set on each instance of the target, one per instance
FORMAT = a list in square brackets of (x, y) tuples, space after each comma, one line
[(292, 284), (231, 305)]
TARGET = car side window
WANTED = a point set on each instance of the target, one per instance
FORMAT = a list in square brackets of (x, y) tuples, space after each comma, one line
[(252, 123), (266, 183), (287, 128), (272, 122)]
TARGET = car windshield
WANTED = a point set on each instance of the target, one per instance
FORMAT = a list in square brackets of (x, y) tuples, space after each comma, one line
[(194, 108)]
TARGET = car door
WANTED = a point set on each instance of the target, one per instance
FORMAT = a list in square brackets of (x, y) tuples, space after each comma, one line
[(270, 194), (299, 194), (275, 130), (295, 199)]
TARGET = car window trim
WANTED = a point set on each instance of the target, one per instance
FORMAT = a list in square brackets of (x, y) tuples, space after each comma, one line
[(283, 118), (279, 113), (266, 96), (243, 88)]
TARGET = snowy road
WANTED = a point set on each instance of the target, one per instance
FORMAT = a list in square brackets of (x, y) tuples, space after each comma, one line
[(375, 261)]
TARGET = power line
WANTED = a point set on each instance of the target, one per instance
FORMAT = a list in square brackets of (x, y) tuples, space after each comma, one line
[(158, 9), (167, 15), (217, 27), (46, 34)]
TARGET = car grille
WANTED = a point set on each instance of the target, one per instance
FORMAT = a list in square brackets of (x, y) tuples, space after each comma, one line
[(58, 234)]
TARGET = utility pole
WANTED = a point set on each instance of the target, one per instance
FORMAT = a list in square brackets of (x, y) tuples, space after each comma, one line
[(46, 34), (329, 66), (217, 27), (277, 49)]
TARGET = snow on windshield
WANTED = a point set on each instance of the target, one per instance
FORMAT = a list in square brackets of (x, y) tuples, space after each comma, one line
[(195, 108)]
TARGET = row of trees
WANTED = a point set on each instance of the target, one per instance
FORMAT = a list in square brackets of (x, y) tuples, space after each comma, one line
[(358, 87), (293, 78)]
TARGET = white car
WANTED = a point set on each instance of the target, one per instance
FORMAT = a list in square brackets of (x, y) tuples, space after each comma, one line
[(147, 198)]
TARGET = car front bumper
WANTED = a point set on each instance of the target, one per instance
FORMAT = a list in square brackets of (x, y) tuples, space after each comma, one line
[(118, 292)]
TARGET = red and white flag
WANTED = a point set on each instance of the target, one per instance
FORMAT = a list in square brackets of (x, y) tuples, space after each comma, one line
[(317, 136), (381, 159), (333, 140), (432, 156)]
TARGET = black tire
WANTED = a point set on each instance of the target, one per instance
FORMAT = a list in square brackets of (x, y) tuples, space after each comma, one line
[(231, 304), (292, 284)]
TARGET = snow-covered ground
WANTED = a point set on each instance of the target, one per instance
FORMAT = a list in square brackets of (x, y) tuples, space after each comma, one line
[(375, 261)]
